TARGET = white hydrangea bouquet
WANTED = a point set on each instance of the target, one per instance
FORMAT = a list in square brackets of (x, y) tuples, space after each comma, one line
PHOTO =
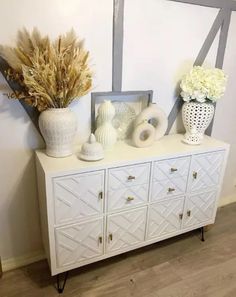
[(203, 84), (199, 89)]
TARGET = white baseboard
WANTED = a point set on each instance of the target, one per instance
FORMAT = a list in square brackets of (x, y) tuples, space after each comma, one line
[(17, 262)]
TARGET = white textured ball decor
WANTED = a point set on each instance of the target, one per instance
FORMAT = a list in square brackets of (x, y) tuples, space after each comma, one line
[(196, 118), (58, 127)]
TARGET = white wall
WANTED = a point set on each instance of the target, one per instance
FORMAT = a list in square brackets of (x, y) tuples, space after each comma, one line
[(225, 121), (158, 49), (92, 20)]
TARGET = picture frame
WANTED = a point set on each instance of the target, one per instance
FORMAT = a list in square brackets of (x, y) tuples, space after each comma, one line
[(137, 100)]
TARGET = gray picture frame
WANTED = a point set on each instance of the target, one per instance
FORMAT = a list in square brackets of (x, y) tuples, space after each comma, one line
[(143, 97)]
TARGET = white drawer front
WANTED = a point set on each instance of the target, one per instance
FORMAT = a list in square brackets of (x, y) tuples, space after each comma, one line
[(78, 196), (205, 171), (126, 229), (170, 178), (127, 197), (199, 208), (165, 217), (128, 176), (79, 242), (171, 168)]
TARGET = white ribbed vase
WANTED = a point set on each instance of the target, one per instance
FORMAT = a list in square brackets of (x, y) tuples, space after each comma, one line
[(58, 127), (196, 118), (106, 134)]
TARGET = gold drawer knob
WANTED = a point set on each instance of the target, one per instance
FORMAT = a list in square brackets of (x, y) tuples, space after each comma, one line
[(194, 174), (189, 213), (170, 190), (173, 169), (100, 195), (100, 239), (130, 198), (131, 177), (110, 236), (181, 216)]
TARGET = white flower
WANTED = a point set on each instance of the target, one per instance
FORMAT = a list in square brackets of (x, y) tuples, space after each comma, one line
[(203, 84)]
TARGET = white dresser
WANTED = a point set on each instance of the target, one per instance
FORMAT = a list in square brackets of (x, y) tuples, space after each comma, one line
[(134, 197)]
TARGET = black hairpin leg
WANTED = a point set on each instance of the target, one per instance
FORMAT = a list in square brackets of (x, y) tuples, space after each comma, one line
[(202, 234), (61, 285)]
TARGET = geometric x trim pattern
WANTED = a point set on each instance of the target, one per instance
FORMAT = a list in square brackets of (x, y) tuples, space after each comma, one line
[(171, 173), (208, 169), (201, 207), (164, 217), (127, 229), (79, 242), (76, 199)]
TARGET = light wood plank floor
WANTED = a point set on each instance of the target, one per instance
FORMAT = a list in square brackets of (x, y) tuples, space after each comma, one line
[(179, 267)]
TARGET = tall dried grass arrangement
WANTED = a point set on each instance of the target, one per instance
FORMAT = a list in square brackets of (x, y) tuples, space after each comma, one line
[(51, 74)]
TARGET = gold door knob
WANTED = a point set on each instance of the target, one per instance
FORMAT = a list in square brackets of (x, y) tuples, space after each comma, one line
[(100, 239), (194, 174), (189, 213), (130, 198), (131, 177), (181, 216), (173, 169), (100, 195), (110, 236), (171, 190)]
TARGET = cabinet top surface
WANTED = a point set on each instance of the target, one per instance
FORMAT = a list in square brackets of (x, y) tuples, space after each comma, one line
[(124, 153)]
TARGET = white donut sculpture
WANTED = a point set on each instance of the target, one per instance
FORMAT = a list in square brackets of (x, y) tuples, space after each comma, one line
[(155, 116), (143, 135)]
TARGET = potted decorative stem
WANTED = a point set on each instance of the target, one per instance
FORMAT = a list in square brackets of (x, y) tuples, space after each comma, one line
[(201, 87), (51, 74)]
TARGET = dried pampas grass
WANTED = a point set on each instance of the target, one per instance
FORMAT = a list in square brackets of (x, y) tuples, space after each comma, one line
[(51, 74)]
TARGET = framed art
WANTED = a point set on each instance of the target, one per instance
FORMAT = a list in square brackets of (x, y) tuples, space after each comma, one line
[(128, 105)]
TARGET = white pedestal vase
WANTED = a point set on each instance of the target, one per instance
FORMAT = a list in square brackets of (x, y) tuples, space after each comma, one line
[(196, 118), (58, 127)]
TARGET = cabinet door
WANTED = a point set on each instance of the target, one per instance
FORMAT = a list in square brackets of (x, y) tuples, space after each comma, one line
[(78, 196), (79, 242), (126, 229), (170, 178), (165, 217), (205, 171), (199, 208)]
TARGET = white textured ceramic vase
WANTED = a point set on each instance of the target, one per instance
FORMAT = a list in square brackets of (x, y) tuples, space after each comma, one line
[(106, 134), (196, 118), (58, 127)]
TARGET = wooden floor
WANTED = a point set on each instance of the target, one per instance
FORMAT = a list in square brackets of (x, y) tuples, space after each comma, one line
[(179, 267)]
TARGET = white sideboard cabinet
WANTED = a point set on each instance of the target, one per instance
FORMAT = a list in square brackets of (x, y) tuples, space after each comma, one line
[(133, 197)]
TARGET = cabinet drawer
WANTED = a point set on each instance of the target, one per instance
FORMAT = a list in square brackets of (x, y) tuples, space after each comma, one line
[(171, 168), (79, 242), (126, 229), (78, 196), (170, 178), (205, 171), (128, 176), (127, 197), (165, 217)]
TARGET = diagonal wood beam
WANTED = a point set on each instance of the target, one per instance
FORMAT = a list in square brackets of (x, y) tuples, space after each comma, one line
[(221, 52), (31, 111), (210, 38), (199, 61), (228, 4)]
